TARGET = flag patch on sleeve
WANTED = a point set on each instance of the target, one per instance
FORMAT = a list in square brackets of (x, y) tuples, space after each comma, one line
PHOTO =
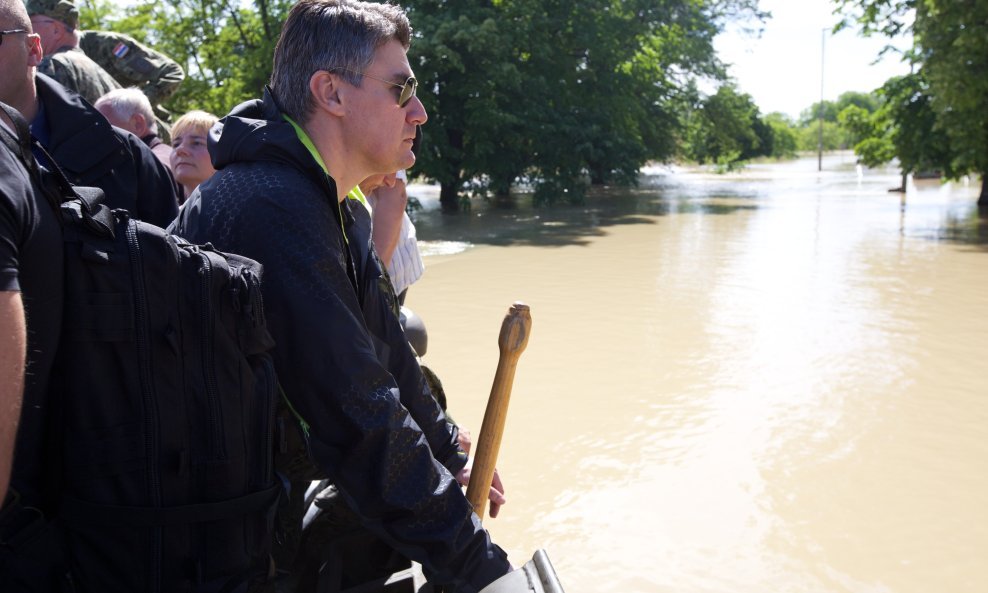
[(121, 49)]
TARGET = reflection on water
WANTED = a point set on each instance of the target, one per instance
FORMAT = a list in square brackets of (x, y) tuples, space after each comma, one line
[(758, 382)]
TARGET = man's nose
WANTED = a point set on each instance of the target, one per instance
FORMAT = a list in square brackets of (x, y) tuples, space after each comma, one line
[(416, 112)]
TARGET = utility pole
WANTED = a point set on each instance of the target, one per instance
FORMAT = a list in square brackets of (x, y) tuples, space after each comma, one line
[(823, 44)]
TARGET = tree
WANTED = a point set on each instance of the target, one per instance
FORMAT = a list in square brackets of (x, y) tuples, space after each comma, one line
[(784, 139), (225, 47), (557, 93), (954, 53), (727, 129), (552, 93), (857, 124), (951, 52)]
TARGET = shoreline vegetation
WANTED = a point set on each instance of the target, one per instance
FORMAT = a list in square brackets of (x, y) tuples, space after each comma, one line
[(509, 104)]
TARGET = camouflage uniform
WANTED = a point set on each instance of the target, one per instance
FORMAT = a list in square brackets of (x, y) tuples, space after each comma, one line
[(133, 64), (74, 70), (69, 65), (125, 60)]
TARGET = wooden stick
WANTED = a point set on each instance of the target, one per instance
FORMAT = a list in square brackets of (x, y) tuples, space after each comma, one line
[(512, 340)]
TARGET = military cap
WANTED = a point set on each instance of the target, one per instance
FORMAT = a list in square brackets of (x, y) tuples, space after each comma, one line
[(60, 10)]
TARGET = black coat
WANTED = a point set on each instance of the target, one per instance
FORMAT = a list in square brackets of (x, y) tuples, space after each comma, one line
[(92, 152), (341, 357)]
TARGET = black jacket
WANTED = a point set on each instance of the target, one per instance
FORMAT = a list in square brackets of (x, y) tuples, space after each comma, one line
[(92, 152), (385, 443)]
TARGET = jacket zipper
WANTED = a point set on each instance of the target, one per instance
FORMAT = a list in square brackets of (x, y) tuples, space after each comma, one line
[(255, 301), (147, 394), (215, 434), (270, 406)]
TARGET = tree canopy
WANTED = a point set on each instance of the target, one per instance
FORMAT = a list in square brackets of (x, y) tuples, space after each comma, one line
[(552, 94), (557, 93), (951, 57), (225, 47)]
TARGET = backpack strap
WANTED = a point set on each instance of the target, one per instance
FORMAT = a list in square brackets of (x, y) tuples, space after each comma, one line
[(22, 145), (18, 144)]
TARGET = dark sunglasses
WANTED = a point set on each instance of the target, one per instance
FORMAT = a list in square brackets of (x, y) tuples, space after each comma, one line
[(408, 89), (15, 31)]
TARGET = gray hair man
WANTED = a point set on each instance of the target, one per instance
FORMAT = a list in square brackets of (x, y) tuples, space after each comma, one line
[(130, 109), (340, 108)]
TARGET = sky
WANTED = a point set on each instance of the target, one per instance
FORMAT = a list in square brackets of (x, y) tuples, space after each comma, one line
[(781, 70)]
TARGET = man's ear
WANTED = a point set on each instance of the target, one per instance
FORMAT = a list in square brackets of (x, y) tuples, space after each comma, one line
[(325, 88), (34, 51), (140, 124)]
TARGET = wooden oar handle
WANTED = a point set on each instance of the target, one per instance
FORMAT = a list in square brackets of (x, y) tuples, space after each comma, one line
[(511, 341)]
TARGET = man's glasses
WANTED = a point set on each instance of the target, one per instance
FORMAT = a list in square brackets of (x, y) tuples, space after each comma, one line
[(15, 31), (408, 89)]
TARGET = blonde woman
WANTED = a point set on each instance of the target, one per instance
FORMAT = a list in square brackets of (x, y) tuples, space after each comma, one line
[(190, 160)]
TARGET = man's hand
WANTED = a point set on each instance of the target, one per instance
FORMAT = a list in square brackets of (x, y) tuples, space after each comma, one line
[(496, 495), (463, 439)]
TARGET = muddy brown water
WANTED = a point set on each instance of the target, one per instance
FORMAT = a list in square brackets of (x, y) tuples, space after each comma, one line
[(766, 381)]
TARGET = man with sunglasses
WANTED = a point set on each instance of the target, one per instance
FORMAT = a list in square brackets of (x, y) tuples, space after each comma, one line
[(340, 108)]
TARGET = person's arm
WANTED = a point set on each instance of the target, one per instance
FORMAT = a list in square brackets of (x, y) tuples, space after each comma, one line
[(165, 80), (134, 64), (389, 209), (380, 313), (13, 340)]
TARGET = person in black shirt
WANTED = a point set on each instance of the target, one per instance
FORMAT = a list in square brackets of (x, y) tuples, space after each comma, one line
[(30, 324)]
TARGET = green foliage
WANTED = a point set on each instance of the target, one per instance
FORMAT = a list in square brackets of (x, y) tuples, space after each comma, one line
[(951, 94), (726, 128), (903, 126), (729, 162), (785, 142), (809, 137), (832, 109), (912, 126), (224, 47), (556, 93), (857, 123), (812, 114), (886, 17), (873, 152), (953, 48), (96, 14)]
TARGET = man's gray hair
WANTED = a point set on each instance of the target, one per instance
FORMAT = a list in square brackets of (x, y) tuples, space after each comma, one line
[(126, 102), (330, 35)]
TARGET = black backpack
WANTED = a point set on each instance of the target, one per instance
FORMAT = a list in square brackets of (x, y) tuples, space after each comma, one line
[(167, 409)]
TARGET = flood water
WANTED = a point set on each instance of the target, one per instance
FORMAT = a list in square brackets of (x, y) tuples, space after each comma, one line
[(770, 381)]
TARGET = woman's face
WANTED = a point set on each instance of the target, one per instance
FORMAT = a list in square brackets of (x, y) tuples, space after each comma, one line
[(190, 159)]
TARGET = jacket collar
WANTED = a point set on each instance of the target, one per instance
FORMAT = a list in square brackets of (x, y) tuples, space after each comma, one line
[(257, 131)]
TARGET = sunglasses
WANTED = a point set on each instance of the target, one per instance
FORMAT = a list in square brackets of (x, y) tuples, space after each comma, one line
[(408, 89), (15, 31)]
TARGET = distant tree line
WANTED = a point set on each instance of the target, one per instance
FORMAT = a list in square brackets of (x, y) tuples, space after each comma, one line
[(550, 94), (556, 95), (726, 128)]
